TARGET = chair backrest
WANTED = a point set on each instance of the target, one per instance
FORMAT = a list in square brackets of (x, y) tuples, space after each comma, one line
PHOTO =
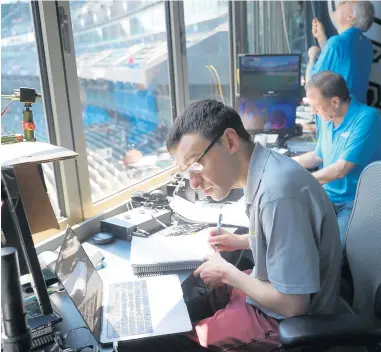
[(363, 243)]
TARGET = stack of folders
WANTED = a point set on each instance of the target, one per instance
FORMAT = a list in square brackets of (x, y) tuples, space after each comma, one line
[(159, 255)]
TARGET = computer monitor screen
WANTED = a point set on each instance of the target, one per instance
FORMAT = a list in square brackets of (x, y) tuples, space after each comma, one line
[(269, 73), (271, 113), (80, 280)]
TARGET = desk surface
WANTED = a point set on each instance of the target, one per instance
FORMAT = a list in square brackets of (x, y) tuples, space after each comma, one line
[(117, 260), (117, 267)]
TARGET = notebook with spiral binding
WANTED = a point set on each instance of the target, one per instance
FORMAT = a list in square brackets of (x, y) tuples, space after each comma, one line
[(159, 254)]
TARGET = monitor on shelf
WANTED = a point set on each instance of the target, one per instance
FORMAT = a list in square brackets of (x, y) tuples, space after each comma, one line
[(17, 232), (270, 91), (26, 209)]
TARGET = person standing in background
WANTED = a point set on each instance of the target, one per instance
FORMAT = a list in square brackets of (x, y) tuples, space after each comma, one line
[(350, 52)]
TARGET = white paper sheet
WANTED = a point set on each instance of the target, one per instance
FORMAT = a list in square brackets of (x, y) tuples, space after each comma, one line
[(204, 212)]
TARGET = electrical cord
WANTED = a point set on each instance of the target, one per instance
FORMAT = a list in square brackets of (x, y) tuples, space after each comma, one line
[(75, 329), (285, 26), (6, 108), (239, 258), (313, 9), (219, 82), (60, 341), (179, 184), (215, 83)]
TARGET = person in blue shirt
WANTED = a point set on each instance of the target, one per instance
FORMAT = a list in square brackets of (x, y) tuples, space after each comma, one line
[(350, 52), (349, 139)]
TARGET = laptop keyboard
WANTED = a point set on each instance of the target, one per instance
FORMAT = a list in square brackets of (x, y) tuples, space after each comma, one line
[(129, 311)]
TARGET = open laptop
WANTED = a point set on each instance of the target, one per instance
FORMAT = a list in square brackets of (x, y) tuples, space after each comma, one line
[(120, 311)]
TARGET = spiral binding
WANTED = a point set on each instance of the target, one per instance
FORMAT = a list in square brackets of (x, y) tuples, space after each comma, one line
[(156, 269)]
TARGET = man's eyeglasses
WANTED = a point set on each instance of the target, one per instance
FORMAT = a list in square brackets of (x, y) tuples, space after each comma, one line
[(196, 167)]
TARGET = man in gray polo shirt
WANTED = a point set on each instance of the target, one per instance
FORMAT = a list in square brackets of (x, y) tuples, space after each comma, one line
[(293, 234)]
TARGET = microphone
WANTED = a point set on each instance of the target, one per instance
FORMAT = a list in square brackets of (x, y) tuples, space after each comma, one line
[(16, 333)]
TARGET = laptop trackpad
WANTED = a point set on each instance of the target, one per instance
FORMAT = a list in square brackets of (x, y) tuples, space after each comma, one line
[(169, 314)]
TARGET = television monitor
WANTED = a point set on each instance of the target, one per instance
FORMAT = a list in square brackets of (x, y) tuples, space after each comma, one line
[(269, 92), (268, 114), (269, 74)]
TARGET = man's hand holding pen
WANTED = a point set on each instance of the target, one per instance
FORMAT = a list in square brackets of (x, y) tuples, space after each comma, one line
[(226, 241)]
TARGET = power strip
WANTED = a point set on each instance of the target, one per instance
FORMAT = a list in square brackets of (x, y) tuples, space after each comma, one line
[(41, 326)]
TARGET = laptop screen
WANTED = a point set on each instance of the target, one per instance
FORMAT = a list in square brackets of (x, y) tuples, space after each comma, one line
[(81, 281)]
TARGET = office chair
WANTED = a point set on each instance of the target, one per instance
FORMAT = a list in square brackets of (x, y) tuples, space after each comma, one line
[(361, 323)]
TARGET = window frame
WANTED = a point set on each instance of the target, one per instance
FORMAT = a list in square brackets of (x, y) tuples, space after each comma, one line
[(67, 113), (62, 106), (47, 102), (178, 60)]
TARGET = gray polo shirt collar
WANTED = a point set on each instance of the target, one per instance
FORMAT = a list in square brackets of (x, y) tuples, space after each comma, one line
[(257, 165)]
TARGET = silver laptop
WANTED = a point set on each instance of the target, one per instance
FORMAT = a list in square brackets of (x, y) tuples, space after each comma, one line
[(120, 311)]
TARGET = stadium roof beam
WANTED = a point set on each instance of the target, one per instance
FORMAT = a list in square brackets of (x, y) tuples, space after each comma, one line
[(115, 20)]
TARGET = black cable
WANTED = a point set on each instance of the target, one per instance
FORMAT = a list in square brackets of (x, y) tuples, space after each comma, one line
[(61, 343), (313, 9), (75, 329), (78, 349), (240, 257)]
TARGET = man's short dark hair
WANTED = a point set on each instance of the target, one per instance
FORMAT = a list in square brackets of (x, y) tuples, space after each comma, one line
[(329, 84), (209, 118)]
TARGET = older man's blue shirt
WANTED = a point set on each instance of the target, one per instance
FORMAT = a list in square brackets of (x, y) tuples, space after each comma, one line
[(349, 54), (357, 140)]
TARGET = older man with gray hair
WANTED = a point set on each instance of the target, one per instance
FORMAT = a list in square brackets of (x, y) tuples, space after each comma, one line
[(349, 139), (350, 52)]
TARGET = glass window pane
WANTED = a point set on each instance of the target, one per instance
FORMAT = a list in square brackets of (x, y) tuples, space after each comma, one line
[(258, 29), (255, 27), (296, 14), (17, 40), (207, 36), (122, 65)]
